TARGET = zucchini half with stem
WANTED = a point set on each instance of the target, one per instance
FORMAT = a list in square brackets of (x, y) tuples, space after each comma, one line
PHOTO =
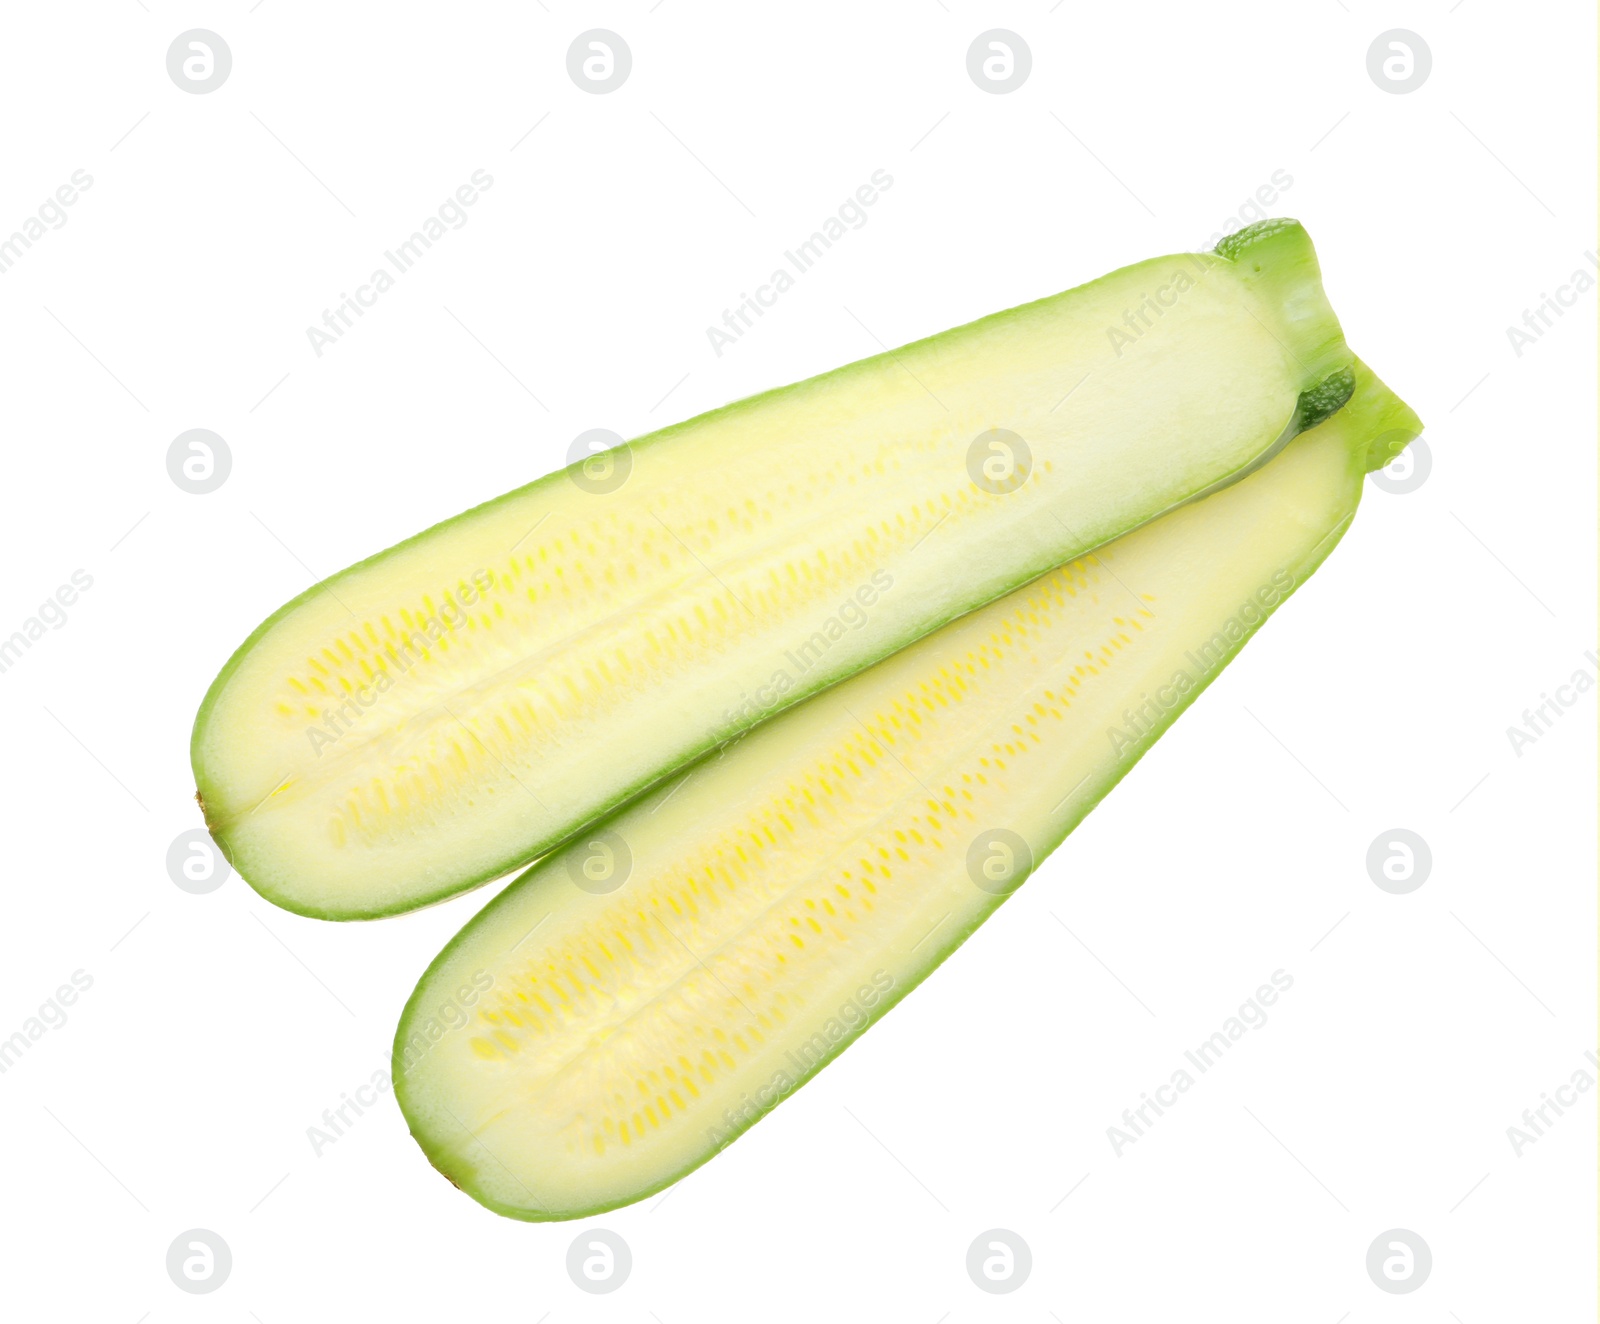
[(460, 704), (631, 1004)]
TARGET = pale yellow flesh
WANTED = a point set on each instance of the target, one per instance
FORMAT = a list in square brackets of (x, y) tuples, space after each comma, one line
[(589, 641), (625, 1037)]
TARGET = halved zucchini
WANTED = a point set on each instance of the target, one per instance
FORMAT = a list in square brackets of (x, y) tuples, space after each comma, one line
[(634, 1002), (461, 703)]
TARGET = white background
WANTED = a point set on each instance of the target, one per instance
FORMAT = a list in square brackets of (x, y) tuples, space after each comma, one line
[(218, 227)]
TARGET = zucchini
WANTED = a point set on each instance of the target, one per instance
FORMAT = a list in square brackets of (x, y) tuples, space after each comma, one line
[(642, 997), (458, 705)]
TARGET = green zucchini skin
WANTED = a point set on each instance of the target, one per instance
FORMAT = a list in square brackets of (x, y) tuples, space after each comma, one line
[(1360, 439), (1272, 262)]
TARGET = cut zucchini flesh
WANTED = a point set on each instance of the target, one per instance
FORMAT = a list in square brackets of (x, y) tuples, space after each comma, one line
[(632, 1003), (461, 703)]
